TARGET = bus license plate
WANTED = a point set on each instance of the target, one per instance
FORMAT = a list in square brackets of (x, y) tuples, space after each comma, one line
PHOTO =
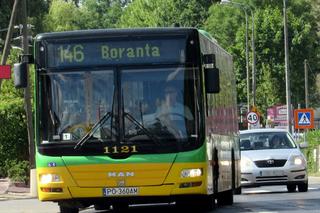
[(120, 191)]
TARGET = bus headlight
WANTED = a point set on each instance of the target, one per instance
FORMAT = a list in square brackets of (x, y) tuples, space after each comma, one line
[(185, 173), (49, 178)]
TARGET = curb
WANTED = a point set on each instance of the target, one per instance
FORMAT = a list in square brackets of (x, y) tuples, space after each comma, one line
[(15, 196)]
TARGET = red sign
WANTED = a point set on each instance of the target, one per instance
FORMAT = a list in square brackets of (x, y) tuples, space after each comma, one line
[(5, 71), (303, 119)]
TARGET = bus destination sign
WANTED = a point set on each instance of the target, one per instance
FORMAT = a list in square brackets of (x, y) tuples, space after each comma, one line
[(62, 53)]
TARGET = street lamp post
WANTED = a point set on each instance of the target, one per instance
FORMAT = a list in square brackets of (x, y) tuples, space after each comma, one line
[(287, 71), (247, 49), (245, 7), (253, 60)]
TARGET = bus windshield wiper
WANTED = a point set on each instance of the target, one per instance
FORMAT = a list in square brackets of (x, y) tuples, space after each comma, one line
[(95, 127), (145, 130)]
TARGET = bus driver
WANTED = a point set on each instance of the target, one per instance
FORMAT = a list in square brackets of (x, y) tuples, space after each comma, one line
[(171, 112)]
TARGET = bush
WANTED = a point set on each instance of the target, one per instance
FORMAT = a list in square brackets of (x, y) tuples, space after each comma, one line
[(13, 125), (18, 171), (13, 133), (313, 139)]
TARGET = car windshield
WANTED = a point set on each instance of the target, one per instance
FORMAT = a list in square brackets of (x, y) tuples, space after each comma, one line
[(266, 140)]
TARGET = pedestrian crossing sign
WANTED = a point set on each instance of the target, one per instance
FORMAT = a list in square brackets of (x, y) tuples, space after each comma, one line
[(304, 119)]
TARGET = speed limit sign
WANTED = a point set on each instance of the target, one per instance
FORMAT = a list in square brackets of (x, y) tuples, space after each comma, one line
[(252, 117)]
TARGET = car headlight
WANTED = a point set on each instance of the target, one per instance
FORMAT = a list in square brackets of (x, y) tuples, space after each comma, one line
[(298, 160), (49, 178), (185, 173), (246, 163)]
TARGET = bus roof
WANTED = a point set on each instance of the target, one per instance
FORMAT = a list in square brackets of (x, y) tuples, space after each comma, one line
[(208, 35), (123, 31)]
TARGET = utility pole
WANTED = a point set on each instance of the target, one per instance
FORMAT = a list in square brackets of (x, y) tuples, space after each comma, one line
[(306, 83), (247, 63), (253, 61), (287, 71), (6, 48), (27, 99)]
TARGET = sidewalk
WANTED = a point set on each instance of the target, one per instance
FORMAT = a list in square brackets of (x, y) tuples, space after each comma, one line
[(11, 191)]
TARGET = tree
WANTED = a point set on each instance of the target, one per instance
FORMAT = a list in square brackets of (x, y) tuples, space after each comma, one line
[(101, 14), (13, 128), (165, 13), (62, 16), (223, 23)]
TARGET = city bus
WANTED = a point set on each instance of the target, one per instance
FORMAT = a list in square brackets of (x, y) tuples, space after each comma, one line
[(105, 132)]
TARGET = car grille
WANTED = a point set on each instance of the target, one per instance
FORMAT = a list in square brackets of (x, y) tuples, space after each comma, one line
[(270, 163), (272, 179)]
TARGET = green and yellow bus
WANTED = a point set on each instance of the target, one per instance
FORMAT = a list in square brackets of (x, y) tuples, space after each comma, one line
[(108, 132)]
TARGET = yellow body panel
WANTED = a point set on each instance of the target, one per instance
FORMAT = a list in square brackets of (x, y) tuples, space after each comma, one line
[(147, 177)]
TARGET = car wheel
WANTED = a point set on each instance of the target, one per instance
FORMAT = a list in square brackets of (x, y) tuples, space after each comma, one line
[(303, 187), (291, 187)]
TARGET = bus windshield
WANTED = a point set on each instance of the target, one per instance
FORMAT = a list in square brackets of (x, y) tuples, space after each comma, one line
[(129, 105)]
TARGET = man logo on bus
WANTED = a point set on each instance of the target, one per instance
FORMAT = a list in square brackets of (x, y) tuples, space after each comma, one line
[(120, 174)]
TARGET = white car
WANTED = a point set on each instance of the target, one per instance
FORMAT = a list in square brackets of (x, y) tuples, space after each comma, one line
[(271, 157)]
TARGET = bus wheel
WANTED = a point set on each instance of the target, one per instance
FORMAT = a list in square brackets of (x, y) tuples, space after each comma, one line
[(208, 203), (203, 203), (101, 206), (120, 207), (225, 198), (238, 191), (64, 209)]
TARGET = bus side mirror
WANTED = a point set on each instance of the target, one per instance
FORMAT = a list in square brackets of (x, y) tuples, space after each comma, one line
[(20, 75), (212, 80)]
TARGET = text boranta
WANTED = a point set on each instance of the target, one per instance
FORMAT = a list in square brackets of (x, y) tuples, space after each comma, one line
[(129, 52)]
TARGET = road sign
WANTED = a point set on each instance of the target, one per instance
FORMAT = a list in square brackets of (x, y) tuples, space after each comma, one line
[(252, 117), (5, 71), (304, 119)]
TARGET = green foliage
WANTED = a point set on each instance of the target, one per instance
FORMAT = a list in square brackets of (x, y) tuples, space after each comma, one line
[(62, 16), (165, 13), (101, 14), (13, 129), (227, 24), (313, 139), (18, 171)]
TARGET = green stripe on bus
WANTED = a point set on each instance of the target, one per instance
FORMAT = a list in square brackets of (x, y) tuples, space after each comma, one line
[(198, 155)]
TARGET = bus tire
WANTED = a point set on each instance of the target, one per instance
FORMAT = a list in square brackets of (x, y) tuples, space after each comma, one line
[(101, 206), (225, 198), (238, 191), (202, 203), (208, 203), (65, 209), (120, 207)]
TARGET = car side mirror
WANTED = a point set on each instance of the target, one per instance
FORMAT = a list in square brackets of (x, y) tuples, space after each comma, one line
[(303, 145)]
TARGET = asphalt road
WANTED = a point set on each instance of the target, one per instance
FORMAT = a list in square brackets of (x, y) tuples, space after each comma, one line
[(271, 199)]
